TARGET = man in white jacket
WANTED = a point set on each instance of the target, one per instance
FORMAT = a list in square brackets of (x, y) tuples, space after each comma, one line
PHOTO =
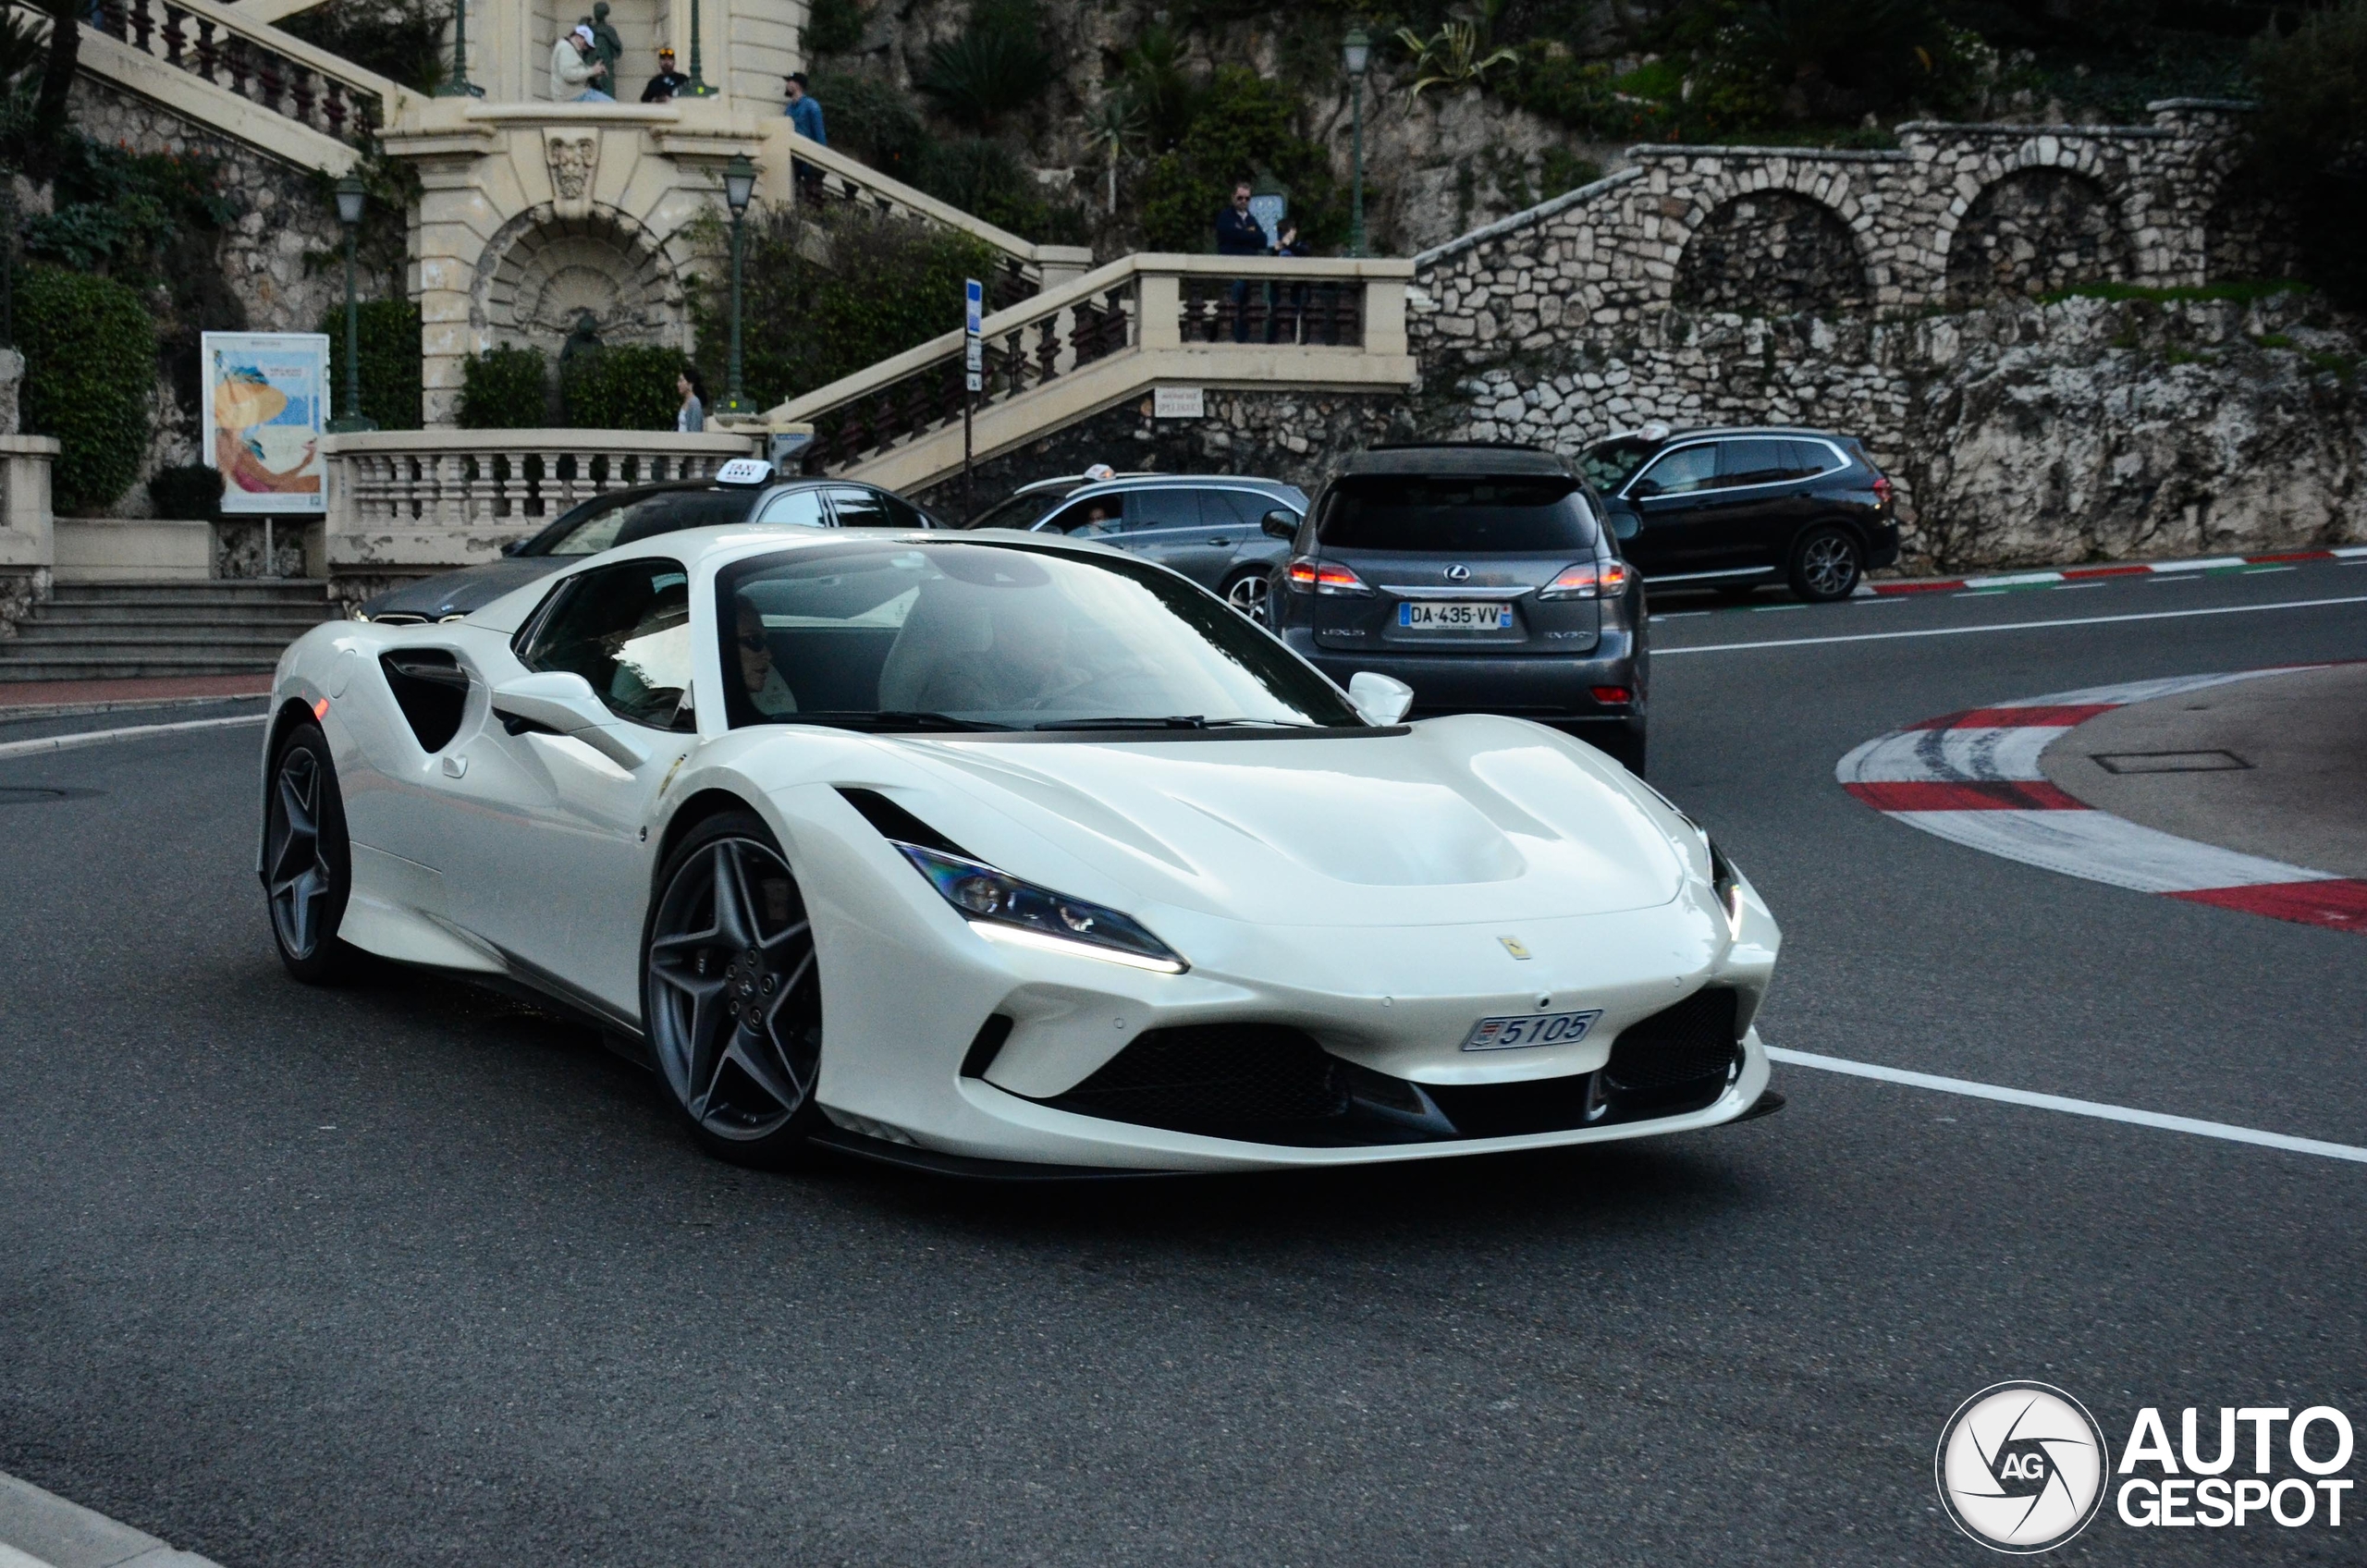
[(576, 76)]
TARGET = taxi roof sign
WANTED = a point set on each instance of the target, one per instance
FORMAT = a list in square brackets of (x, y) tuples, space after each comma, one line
[(744, 471)]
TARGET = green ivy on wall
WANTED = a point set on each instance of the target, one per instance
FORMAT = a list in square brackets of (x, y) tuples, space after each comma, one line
[(390, 374), (90, 347)]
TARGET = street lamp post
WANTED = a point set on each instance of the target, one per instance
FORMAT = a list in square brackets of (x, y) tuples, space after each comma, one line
[(738, 185), (698, 87), (458, 86), (1356, 51), (350, 200)]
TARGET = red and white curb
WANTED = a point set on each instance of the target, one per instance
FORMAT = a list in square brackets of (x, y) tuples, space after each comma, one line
[(2087, 573), (1974, 777)]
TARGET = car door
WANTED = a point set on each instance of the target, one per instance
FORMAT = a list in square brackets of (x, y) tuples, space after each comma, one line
[(1165, 523), (1672, 496), (1247, 543), (549, 864), (1760, 503)]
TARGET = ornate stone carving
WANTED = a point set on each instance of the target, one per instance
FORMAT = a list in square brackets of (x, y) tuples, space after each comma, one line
[(574, 157)]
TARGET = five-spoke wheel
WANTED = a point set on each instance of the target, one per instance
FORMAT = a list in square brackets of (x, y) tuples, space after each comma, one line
[(729, 994), (1247, 593), (307, 864)]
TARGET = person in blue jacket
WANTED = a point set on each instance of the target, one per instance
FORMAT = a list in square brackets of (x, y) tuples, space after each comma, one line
[(805, 111), (1240, 234)]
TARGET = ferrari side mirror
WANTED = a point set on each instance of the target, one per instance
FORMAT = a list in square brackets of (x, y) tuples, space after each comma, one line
[(1278, 523), (562, 703), (1380, 700)]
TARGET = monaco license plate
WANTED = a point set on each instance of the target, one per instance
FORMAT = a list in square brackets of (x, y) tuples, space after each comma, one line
[(1449, 615), (1536, 1029)]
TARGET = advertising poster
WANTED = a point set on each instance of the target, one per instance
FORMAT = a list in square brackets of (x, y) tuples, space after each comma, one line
[(265, 398)]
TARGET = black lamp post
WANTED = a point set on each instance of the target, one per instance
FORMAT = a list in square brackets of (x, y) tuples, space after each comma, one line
[(1356, 52), (458, 86), (696, 87), (350, 200), (738, 185)]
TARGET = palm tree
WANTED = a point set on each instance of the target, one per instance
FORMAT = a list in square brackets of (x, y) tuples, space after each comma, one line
[(1115, 125)]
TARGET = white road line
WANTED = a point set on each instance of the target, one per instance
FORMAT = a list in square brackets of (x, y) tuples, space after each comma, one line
[(2075, 1108), (48, 744), (2007, 626)]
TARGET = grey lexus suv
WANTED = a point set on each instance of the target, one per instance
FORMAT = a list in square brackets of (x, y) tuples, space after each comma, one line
[(1482, 576)]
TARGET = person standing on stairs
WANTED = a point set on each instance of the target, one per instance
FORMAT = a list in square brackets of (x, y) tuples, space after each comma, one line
[(805, 111)]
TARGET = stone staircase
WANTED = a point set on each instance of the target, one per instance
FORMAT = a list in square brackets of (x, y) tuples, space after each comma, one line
[(91, 630)]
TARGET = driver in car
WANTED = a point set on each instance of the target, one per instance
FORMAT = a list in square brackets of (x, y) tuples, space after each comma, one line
[(767, 690)]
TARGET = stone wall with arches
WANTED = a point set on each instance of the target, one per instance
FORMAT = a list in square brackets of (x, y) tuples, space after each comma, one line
[(1954, 214)]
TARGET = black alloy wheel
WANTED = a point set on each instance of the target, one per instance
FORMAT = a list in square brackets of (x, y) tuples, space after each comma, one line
[(307, 862), (1826, 565), (1247, 593), (730, 995)]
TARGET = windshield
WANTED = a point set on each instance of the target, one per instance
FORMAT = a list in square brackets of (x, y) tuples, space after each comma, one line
[(1457, 516), (1608, 465), (638, 516), (980, 636)]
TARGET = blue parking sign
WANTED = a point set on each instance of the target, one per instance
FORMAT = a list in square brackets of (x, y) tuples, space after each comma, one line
[(973, 299)]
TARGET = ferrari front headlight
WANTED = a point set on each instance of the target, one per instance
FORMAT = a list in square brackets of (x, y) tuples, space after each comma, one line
[(1001, 908)]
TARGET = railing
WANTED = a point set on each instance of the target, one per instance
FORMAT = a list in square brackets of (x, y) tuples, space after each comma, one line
[(824, 175), (1319, 311), (502, 480), (256, 61)]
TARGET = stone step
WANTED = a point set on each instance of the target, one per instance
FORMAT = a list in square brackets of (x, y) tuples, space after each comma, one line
[(267, 614), (243, 638), (204, 591), (127, 666)]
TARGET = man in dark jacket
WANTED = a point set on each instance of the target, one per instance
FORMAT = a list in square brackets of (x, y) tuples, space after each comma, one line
[(1240, 234), (667, 83)]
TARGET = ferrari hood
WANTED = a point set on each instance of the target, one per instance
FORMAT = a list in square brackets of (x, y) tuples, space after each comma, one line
[(1462, 819)]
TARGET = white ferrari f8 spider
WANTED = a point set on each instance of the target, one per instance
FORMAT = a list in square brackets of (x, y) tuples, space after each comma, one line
[(996, 854)]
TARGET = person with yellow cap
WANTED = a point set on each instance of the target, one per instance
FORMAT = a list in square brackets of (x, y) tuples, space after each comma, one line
[(667, 83)]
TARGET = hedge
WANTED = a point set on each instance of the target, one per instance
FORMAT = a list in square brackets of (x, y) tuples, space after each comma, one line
[(192, 491), (390, 378), (505, 389), (90, 348), (624, 387)]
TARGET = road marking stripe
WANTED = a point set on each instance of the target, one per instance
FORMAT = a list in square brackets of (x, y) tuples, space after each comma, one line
[(48, 744), (2007, 626), (2097, 1109), (1988, 794)]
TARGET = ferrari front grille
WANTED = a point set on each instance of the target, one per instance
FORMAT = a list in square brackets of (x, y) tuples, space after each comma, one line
[(1225, 1080), (1678, 1046)]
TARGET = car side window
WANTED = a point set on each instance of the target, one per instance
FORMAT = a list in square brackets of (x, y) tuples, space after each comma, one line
[(626, 629), (1242, 508), (1162, 509), (1755, 460), (1682, 471), (594, 531), (801, 508), (873, 508), (1809, 459), (1094, 515)]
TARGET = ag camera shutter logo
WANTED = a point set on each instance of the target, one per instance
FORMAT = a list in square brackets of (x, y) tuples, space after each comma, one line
[(2021, 1467)]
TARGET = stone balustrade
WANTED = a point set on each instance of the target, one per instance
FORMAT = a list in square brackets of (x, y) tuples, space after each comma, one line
[(256, 61), (1143, 321), (402, 502)]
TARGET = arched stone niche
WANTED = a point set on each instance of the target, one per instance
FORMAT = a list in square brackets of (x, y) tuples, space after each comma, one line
[(1772, 253), (2035, 231), (544, 272)]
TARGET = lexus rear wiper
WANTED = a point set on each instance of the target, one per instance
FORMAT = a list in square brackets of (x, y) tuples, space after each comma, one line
[(885, 718)]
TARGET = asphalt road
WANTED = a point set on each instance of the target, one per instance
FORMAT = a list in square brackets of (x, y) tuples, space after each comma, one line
[(409, 1275)]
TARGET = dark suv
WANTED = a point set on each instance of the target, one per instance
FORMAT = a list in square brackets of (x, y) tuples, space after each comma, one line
[(1480, 576), (1732, 508)]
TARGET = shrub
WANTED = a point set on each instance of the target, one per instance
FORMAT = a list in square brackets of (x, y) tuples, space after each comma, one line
[(1154, 75), (983, 178), (122, 212), (2309, 140), (1244, 124), (826, 297), (402, 39), (998, 62), (833, 27), (90, 348), (391, 366), (871, 120), (505, 389), (626, 387), (190, 491)]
